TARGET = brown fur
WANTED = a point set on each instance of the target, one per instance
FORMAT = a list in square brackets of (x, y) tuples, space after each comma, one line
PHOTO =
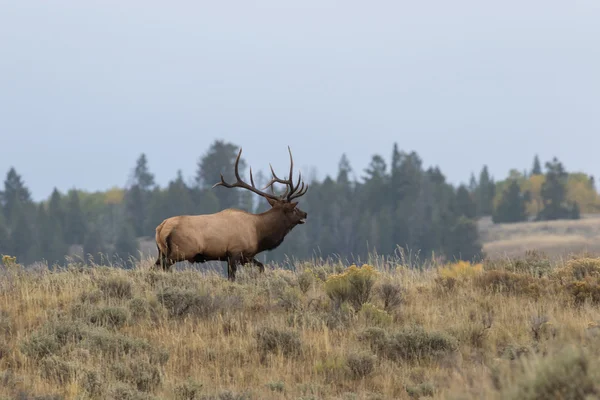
[(230, 235)]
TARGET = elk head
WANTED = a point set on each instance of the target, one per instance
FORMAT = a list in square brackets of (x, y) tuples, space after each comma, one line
[(283, 203)]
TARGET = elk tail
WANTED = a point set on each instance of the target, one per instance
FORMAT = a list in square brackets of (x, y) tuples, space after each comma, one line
[(162, 238)]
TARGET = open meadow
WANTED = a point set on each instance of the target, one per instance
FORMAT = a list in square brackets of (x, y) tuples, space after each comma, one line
[(557, 238), (528, 328)]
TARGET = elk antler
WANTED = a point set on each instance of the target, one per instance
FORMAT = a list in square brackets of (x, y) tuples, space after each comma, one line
[(289, 191), (290, 188), (241, 184)]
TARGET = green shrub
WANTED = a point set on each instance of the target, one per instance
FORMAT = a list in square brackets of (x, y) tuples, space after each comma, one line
[(123, 391), (141, 309), (373, 316), (390, 294), (278, 386), (534, 263), (6, 324), (189, 390), (426, 389), (565, 375), (4, 349), (273, 340), (290, 299), (340, 317), (305, 280), (50, 339), (360, 365), (110, 317), (91, 297), (500, 281), (187, 302), (412, 343), (56, 369), (354, 285), (117, 287), (140, 374)]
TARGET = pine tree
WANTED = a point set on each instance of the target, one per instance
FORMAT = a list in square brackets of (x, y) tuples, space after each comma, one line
[(15, 192), (465, 205), (126, 245), (142, 175), (179, 197), (137, 197), (136, 209), (537, 167), (376, 184), (51, 245), (23, 241), (512, 206), (344, 171), (486, 191), (472, 184), (93, 245), (554, 193), (405, 186), (5, 243), (55, 208), (220, 159), (75, 227), (464, 241), (19, 213)]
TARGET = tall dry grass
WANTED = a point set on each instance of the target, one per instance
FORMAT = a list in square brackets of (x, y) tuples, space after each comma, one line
[(526, 328)]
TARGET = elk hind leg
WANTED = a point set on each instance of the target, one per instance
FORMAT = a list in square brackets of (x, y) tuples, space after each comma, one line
[(163, 262), (261, 266)]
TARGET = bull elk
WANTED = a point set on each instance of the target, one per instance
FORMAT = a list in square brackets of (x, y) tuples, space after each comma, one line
[(232, 235)]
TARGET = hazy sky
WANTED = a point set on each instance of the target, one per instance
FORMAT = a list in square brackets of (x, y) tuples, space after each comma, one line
[(86, 86)]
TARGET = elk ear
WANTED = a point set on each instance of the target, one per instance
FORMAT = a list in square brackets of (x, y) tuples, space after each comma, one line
[(271, 202), (292, 205)]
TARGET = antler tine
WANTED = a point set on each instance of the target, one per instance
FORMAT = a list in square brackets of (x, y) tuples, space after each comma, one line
[(298, 183), (251, 178), (276, 178), (240, 183), (291, 168), (271, 185), (237, 162), (300, 193)]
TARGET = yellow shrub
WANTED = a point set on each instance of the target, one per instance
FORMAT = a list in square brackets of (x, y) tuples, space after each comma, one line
[(10, 262), (578, 269), (353, 285), (585, 289), (460, 270)]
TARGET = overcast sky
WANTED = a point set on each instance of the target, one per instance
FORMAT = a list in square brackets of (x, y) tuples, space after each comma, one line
[(86, 86)]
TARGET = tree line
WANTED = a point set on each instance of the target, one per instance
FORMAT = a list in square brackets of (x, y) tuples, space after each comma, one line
[(395, 205)]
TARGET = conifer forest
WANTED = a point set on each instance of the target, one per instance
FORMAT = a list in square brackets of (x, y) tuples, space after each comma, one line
[(395, 205)]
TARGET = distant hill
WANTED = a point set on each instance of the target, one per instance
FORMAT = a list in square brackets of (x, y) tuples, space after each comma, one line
[(555, 238)]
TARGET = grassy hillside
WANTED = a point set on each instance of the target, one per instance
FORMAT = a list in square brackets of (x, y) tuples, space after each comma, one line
[(524, 329), (555, 238)]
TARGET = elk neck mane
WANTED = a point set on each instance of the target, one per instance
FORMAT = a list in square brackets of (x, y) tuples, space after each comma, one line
[(271, 229)]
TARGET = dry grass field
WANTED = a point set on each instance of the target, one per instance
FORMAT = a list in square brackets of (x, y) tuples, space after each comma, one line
[(528, 328), (555, 238)]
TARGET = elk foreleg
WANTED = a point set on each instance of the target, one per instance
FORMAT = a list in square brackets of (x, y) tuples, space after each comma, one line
[(232, 263)]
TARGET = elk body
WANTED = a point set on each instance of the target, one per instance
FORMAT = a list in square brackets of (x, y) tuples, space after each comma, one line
[(232, 235)]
